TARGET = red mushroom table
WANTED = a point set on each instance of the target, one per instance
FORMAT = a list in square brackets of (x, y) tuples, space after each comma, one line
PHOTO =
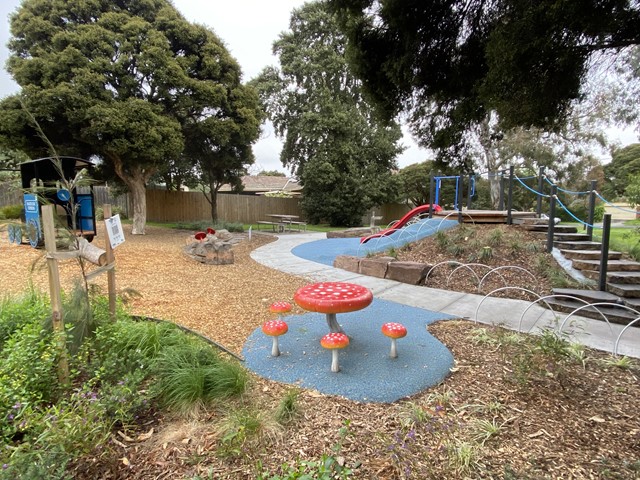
[(331, 298)]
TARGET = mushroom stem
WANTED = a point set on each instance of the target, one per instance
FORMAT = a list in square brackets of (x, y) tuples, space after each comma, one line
[(275, 351), (394, 352), (334, 326), (335, 368)]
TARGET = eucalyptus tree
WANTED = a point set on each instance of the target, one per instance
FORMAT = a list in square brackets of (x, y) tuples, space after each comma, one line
[(341, 152), (449, 64), (122, 80)]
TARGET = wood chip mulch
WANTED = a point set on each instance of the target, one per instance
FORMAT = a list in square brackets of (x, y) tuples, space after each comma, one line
[(511, 408)]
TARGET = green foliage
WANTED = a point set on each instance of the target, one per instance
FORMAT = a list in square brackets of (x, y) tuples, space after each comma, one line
[(16, 312), (523, 60), (132, 82), (242, 426), (115, 210), (11, 212), (191, 376), (341, 152), (328, 467), (414, 184), (288, 407), (624, 166)]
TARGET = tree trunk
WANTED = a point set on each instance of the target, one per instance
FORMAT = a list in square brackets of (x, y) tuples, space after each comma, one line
[(494, 189), (136, 179), (139, 199)]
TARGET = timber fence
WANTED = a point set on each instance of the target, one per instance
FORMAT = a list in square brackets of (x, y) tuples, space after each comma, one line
[(171, 206)]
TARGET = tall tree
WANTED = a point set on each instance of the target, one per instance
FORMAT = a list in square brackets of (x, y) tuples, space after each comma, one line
[(340, 151), (122, 80), (449, 63), (624, 165)]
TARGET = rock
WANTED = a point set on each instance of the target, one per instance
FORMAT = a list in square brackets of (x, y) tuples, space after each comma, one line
[(407, 272), (350, 233), (347, 262), (213, 250), (223, 235), (376, 266)]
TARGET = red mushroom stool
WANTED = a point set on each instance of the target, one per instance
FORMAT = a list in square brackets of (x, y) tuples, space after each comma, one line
[(275, 328), (394, 330), (280, 308), (331, 298), (334, 341)]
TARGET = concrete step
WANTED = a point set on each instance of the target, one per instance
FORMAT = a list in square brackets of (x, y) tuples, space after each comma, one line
[(612, 265), (545, 227), (573, 245), (626, 290), (589, 254), (614, 314), (633, 303)]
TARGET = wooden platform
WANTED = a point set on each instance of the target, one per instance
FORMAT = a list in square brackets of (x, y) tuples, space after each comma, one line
[(485, 216)]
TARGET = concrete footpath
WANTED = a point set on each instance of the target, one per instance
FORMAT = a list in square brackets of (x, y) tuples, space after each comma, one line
[(513, 314)]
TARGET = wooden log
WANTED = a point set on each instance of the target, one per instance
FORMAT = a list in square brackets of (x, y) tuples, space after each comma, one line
[(90, 252)]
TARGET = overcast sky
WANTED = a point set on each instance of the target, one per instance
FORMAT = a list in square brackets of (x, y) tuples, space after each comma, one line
[(249, 28)]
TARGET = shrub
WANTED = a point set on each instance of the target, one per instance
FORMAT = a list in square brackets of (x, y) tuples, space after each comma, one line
[(193, 375), (115, 210), (16, 312), (11, 212)]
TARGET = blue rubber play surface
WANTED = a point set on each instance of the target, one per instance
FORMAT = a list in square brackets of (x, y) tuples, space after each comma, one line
[(325, 251), (367, 373)]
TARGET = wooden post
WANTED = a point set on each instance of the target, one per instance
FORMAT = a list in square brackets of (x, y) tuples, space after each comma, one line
[(604, 253), (539, 199), (592, 209), (510, 197), (111, 274), (552, 219), (54, 292)]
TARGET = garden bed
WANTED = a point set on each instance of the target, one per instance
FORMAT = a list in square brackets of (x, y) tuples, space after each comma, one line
[(513, 407)]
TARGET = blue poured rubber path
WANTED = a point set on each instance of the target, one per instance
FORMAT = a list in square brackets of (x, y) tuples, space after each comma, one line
[(367, 372), (326, 250)]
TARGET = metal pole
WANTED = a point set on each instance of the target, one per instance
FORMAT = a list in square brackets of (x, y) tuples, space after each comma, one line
[(432, 186), (540, 186), (510, 196), (459, 185), (592, 209), (604, 252), (552, 216)]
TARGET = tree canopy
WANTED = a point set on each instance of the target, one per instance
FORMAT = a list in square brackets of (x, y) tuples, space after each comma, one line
[(447, 64), (130, 82), (624, 165), (333, 142)]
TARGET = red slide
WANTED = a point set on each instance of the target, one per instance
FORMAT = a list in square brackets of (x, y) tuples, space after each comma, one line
[(402, 222)]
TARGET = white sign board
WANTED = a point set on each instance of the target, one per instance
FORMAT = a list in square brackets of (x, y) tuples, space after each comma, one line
[(114, 230)]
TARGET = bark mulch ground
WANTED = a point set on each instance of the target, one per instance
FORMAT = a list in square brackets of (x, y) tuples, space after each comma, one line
[(513, 407)]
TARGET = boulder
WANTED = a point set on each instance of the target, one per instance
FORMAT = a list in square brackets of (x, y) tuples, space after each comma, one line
[(211, 251), (375, 266), (347, 262), (350, 233), (407, 272)]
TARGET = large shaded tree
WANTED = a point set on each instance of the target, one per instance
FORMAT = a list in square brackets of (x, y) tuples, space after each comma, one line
[(333, 142), (448, 63), (123, 80)]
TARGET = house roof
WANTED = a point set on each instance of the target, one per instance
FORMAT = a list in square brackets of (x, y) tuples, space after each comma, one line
[(265, 183)]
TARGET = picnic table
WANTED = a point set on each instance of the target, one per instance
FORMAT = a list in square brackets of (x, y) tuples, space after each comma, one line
[(282, 222)]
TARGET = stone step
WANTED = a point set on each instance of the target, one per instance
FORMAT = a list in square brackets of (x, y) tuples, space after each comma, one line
[(633, 303), (612, 265), (614, 314), (625, 290), (589, 254), (532, 221), (591, 296), (622, 277), (566, 237), (545, 227), (572, 245)]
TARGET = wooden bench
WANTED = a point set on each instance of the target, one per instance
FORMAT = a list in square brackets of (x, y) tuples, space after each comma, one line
[(302, 226), (277, 227)]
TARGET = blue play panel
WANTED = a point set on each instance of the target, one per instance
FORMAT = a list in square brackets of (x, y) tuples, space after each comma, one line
[(367, 373)]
